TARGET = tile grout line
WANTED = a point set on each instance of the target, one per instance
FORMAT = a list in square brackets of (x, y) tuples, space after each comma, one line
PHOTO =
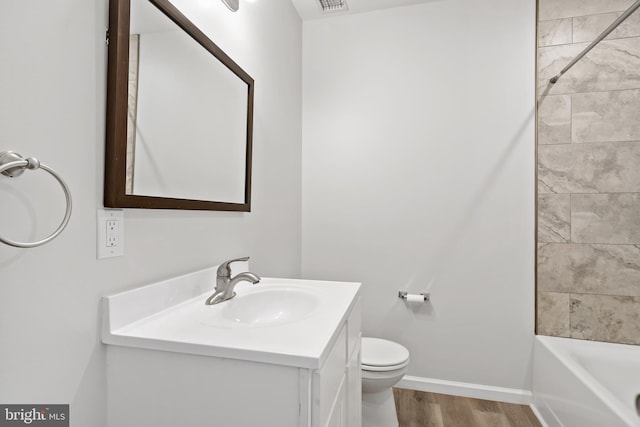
[(619, 12), (572, 35), (587, 42), (589, 293), (567, 144), (588, 243), (570, 334), (591, 92)]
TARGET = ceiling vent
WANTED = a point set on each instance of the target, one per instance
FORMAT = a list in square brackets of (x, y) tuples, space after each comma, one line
[(333, 5)]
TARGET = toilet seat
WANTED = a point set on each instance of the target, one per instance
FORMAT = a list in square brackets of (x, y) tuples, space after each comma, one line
[(383, 364), (382, 355), (384, 368)]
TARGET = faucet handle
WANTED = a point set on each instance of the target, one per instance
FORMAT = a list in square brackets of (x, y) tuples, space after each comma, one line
[(224, 270)]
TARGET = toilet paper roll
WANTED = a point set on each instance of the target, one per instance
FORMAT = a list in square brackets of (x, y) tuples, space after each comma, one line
[(414, 298)]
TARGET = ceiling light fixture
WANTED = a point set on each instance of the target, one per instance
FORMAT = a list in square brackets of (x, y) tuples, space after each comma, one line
[(333, 5), (232, 4)]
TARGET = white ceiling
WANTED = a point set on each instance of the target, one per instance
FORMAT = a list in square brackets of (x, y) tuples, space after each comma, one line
[(310, 9)]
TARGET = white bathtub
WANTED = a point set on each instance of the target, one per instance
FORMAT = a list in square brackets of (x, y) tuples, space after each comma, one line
[(586, 383)]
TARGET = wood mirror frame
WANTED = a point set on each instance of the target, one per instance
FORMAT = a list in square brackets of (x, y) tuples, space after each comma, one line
[(115, 195)]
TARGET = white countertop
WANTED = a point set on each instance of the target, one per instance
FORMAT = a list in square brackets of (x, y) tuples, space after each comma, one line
[(171, 316)]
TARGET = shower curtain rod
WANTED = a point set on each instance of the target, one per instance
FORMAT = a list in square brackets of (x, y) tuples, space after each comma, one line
[(598, 39)]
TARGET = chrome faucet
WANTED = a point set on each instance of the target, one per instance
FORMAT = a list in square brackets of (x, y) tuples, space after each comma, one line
[(225, 283)]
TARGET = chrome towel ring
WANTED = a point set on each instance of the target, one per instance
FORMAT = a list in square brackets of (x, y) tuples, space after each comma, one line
[(13, 165)]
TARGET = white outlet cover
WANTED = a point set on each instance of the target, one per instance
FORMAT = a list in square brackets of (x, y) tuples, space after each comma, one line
[(104, 215)]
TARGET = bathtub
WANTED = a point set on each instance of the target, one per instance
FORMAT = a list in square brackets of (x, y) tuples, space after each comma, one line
[(580, 383)]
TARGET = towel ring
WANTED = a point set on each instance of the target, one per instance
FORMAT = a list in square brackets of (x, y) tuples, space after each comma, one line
[(13, 165)]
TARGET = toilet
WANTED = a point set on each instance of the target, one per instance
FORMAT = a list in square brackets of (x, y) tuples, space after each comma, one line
[(384, 363)]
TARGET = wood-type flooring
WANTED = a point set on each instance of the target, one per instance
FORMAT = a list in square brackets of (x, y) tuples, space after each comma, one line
[(421, 409)]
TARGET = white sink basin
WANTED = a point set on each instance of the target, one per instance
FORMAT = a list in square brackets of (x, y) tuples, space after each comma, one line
[(265, 306), (286, 322)]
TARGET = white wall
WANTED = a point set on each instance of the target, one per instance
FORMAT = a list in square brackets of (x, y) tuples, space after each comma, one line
[(418, 167), (53, 86)]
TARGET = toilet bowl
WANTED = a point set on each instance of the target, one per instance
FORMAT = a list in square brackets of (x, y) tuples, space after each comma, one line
[(384, 363)]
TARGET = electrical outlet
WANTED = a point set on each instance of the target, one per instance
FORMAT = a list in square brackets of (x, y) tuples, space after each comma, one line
[(110, 228)]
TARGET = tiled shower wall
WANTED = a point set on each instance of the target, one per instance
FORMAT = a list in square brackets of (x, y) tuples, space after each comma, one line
[(588, 277)]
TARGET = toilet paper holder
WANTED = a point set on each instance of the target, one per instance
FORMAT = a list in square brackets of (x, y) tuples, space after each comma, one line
[(426, 296)]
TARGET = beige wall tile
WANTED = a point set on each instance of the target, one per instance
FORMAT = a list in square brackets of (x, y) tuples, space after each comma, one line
[(609, 167), (551, 59), (554, 119), (558, 31), (606, 116), (587, 28), (589, 269), (554, 213), (588, 282), (605, 218), (554, 9), (552, 317), (606, 318), (611, 65)]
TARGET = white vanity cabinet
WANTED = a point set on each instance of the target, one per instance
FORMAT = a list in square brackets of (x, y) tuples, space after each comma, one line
[(166, 371), (335, 397), (151, 388)]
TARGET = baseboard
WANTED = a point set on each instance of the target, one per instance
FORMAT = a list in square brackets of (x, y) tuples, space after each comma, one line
[(477, 391), (538, 415)]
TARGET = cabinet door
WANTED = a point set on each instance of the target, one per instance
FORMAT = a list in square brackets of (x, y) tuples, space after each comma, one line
[(329, 381), (353, 395), (337, 386), (338, 416)]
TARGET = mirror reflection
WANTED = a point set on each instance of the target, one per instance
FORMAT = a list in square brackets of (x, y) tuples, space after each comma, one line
[(187, 115)]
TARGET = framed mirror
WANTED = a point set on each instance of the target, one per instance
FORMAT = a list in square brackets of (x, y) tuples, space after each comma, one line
[(179, 114)]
